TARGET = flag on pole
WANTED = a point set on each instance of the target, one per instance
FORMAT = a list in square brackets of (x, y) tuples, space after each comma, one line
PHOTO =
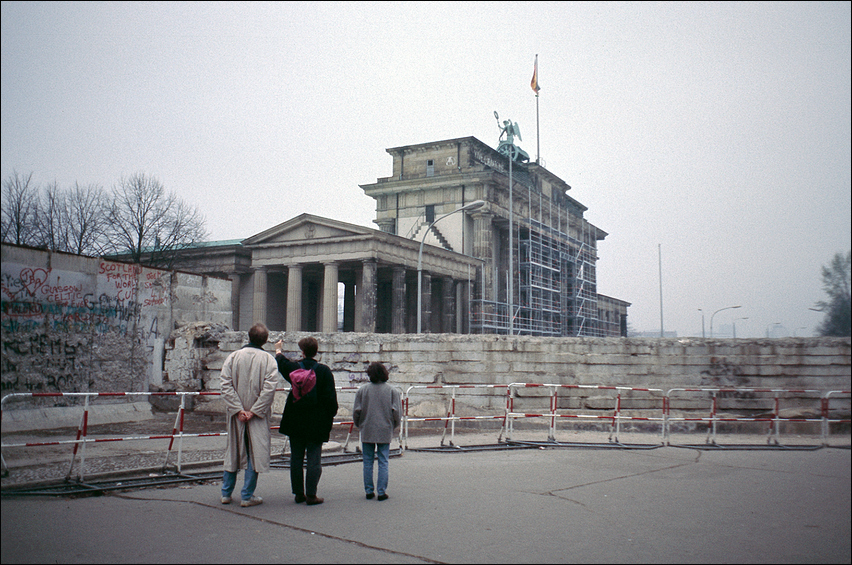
[(534, 81)]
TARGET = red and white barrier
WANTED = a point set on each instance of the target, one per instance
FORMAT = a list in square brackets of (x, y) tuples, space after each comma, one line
[(82, 438), (774, 421), (554, 414), (507, 414), (451, 418)]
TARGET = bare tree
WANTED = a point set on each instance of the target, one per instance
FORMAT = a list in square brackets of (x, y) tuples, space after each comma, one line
[(150, 224), (50, 227), (86, 212), (20, 200)]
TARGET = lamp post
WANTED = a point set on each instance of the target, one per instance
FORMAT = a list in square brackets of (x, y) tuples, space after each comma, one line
[(735, 326), (472, 206), (716, 312), (702, 322)]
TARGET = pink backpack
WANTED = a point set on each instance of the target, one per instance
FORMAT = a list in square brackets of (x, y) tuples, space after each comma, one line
[(302, 381)]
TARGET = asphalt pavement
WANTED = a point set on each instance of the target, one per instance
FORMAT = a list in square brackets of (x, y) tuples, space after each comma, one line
[(540, 505)]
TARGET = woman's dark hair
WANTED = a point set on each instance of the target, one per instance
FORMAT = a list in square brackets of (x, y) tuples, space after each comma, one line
[(309, 346), (258, 334), (377, 373)]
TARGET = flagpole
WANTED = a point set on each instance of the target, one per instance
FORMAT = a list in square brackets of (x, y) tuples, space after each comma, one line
[(537, 141), (536, 88)]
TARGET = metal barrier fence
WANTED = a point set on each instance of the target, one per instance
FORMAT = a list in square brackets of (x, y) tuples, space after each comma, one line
[(507, 414), (655, 405), (450, 419), (771, 417), (178, 433), (554, 413)]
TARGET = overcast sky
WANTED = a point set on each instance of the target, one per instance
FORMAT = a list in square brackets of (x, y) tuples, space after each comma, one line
[(713, 135)]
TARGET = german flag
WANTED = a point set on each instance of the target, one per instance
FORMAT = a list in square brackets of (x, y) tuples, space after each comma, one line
[(534, 81)]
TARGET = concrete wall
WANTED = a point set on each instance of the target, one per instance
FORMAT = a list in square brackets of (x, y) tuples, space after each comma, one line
[(794, 363), (76, 324)]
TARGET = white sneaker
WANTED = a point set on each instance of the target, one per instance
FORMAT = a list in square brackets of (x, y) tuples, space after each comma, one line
[(226, 500), (253, 501)]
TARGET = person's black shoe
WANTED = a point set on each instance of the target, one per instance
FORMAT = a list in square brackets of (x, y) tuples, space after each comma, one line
[(300, 498), (383, 497), (370, 496)]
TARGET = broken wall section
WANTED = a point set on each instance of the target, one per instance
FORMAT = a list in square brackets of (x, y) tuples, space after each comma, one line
[(71, 323)]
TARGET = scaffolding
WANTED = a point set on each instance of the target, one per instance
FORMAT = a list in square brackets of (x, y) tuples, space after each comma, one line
[(556, 286)]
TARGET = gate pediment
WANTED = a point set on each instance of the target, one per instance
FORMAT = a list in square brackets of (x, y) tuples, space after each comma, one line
[(307, 227)]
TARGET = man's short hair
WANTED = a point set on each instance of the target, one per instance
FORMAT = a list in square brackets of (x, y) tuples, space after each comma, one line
[(377, 372), (309, 346), (258, 334)]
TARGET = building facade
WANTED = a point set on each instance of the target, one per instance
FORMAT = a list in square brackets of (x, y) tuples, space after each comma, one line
[(526, 250), (538, 250)]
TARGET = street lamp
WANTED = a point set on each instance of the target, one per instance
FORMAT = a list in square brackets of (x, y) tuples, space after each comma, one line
[(702, 322), (735, 326), (472, 206), (716, 312)]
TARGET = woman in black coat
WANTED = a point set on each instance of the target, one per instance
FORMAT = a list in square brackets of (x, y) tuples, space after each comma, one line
[(308, 416)]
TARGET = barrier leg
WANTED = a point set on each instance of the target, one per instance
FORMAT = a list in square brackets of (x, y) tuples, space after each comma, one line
[(453, 421), (774, 424), (180, 430), (174, 431), (81, 431), (552, 432), (711, 429), (348, 435), (504, 427), (616, 421), (405, 422), (446, 425)]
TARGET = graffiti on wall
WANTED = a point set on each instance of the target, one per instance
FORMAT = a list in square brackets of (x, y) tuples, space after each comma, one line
[(76, 324), (61, 327)]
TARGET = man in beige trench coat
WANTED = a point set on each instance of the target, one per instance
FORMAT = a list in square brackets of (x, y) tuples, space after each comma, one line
[(249, 377)]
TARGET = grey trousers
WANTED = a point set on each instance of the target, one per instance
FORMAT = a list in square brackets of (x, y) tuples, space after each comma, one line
[(305, 481)]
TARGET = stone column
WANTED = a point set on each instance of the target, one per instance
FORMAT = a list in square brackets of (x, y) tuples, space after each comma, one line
[(387, 225), (349, 307), (367, 297), (259, 302), (359, 295), (329, 299), (448, 306), (461, 307), (235, 301), (426, 303), (483, 246), (294, 298), (398, 301)]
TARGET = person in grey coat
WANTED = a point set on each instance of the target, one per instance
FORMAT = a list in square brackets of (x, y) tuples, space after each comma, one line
[(377, 412)]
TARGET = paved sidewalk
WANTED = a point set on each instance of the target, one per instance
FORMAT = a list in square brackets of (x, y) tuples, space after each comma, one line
[(554, 505)]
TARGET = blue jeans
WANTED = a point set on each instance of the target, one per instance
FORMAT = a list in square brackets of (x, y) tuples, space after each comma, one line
[(369, 452), (229, 480)]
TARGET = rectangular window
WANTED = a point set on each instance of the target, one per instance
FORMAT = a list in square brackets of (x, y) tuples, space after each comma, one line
[(430, 168), (430, 213)]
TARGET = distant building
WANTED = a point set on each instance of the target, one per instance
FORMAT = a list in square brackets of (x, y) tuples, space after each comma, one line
[(668, 334), (287, 276)]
